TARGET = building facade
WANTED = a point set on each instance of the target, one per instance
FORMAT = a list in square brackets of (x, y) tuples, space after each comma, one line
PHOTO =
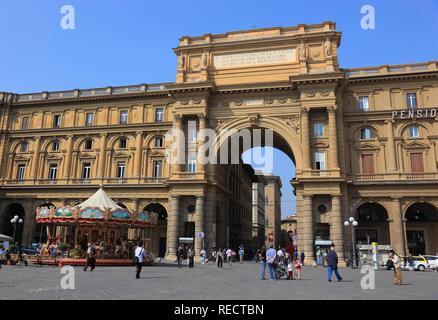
[(258, 211), (272, 211), (363, 141)]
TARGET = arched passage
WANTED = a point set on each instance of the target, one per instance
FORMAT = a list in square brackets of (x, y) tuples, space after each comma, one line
[(373, 224), (422, 228), (157, 239), (12, 210)]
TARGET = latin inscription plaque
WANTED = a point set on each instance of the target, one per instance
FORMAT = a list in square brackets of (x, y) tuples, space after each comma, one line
[(254, 58)]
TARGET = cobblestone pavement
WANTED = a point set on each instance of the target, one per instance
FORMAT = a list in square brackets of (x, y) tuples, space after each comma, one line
[(167, 281)]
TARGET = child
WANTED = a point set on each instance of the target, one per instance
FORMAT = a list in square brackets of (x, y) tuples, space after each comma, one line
[(290, 270), (298, 266)]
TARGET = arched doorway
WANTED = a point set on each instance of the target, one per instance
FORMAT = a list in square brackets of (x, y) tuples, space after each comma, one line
[(158, 238), (373, 224), (14, 209), (422, 228)]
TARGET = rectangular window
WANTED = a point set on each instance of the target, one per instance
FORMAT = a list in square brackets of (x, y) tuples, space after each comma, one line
[(411, 100), (55, 145), (159, 115), (86, 170), (159, 142), (414, 131), (53, 171), (20, 172), (25, 123), (24, 146), (123, 117), (121, 169), (367, 163), (320, 160), (157, 165), (318, 129), (417, 162), (57, 121), (89, 119), (122, 143), (364, 103), (191, 166)]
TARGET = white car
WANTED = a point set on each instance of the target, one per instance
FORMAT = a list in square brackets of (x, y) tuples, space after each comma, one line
[(433, 261), (420, 263)]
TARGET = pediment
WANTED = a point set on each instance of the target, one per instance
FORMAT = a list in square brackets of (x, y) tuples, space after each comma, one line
[(367, 147), (87, 156), (156, 153), (416, 145), (122, 155), (21, 158), (320, 145), (53, 157)]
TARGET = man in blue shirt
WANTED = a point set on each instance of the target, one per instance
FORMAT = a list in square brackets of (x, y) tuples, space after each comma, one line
[(271, 254)]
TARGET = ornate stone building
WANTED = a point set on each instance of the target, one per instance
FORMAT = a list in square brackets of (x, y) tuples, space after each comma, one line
[(363, 141), (272, 211)]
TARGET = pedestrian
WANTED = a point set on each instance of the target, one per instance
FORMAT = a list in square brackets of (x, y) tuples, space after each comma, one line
[(280, 253), (229, 255), (203, 256), (220, 258), (241, 254), (290, 270), (191, 256), (271, 257), (91, 257), (262, 263), (397, 267), (179, 256), (302, 257), (297, 272), (139, 256), (257, 256), (332, 264)]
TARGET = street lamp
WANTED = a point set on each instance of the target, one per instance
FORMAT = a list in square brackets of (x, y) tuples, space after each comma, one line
[(353, 223), (14, 221)]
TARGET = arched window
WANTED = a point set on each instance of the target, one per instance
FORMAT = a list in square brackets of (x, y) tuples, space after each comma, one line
[(55, 145), (123, 143), (414, 131), (159, 142), (366, 134)]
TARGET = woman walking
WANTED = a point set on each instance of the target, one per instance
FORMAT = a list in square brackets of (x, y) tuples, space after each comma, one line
[(191, 256)]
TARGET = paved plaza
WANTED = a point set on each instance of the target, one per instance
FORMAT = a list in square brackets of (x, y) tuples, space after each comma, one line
[(167, 281)]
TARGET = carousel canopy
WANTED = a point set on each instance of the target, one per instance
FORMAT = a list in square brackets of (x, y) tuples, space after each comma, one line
[(99, 208), (100, 200)]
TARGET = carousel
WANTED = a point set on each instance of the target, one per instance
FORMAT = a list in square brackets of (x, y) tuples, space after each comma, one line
[(114, 230)]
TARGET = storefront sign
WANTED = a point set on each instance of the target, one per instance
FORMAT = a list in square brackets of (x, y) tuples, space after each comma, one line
[(414, 113)]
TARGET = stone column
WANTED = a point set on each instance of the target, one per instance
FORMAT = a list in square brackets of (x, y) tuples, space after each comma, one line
[(396, 228), (308, 234), (173, 228), (199, 223), (68, 157), (177, 125), (210, 222), (28, 223), (305, 136), (36, 157), (102, 156), (392, 162), (201, 140), (333, 140), (336, 226), (138, 154)]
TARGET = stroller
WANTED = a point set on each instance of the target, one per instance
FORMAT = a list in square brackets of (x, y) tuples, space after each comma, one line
[(281, 267)]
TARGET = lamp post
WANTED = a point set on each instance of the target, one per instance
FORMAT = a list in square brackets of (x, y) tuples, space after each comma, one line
[(14, 221), (352, 223)]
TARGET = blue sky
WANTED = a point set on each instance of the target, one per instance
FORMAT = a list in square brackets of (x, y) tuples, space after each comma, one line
[(129, 42)]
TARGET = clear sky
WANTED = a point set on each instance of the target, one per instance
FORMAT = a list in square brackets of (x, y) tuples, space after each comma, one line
[(129, 42)]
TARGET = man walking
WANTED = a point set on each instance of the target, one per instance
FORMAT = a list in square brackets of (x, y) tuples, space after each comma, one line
[(397, 267), (262, 263), (179, 256), (302, 257), (241, 253), (271, 255), (191, 256), (332, 263), (220, 258), (139, 256), (229, 255), (91, 257)]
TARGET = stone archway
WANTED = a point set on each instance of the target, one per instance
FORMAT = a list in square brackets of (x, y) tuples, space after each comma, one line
[(373, 224), (158, 237), (422, 228), (6, 227)]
